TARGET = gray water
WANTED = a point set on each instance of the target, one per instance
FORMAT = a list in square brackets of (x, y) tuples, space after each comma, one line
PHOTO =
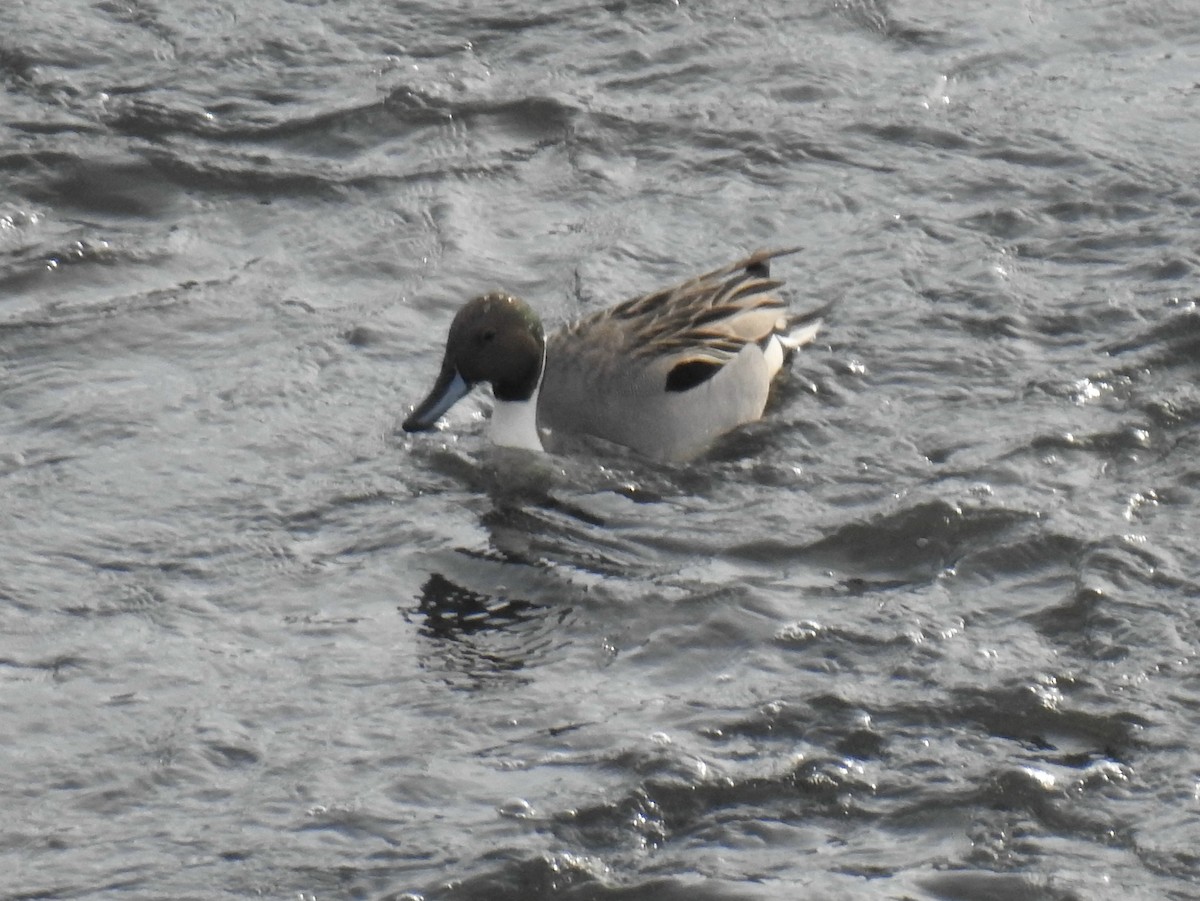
[(928, 631)]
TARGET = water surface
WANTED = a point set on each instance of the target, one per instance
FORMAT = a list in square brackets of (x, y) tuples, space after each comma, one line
[(928, 631)]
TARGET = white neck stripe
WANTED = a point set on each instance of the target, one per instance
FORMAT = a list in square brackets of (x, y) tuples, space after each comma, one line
[(514, 422)]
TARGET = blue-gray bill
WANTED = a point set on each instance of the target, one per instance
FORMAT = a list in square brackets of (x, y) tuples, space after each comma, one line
[(447, 391)]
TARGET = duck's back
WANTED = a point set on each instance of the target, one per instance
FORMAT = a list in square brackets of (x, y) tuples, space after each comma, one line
[(667, 373)]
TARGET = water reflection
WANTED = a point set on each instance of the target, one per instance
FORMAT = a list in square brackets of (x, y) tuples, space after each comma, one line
[(481, 636), (452, 611)]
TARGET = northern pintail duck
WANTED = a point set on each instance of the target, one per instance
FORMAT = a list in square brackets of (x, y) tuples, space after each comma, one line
[(664, 374)]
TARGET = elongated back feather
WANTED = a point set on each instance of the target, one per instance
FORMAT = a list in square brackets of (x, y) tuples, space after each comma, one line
[(711, 316)]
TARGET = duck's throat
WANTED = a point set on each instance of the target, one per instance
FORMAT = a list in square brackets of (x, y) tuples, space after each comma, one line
[(514, 424)]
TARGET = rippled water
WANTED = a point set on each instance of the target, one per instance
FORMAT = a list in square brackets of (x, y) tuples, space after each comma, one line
[(928, 631)]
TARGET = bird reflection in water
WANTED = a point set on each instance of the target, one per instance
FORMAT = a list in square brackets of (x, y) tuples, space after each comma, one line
[(479, 635)]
